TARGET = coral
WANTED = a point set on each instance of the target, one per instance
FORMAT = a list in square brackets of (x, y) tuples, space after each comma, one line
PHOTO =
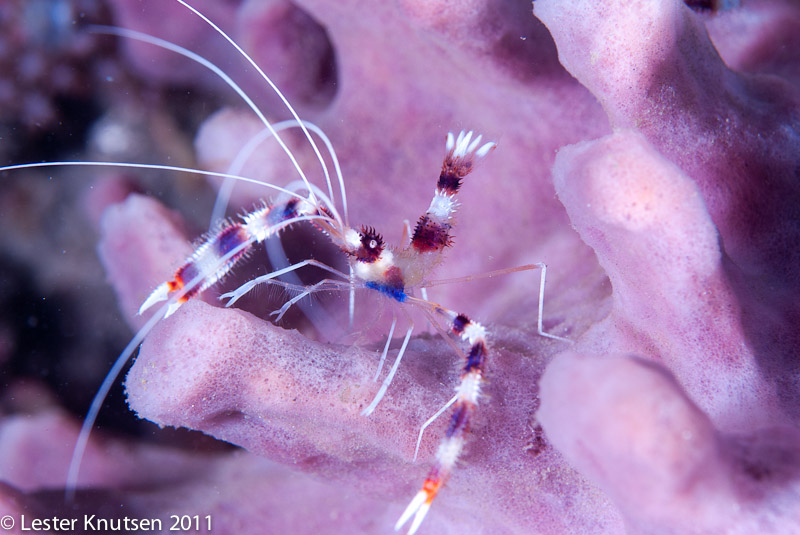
[(647, 152)]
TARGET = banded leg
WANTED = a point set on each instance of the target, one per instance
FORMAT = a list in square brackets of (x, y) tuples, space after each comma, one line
[(432, 233), (219, 252), (464, 405)]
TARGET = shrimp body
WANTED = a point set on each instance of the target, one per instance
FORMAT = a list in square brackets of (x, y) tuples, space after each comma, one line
[(390, 270), (387, 270), (396, 272), (378, 267)]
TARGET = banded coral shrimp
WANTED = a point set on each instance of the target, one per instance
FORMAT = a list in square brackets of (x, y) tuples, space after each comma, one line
[(426, 189)]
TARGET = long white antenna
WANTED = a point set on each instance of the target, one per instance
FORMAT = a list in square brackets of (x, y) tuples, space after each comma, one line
[(131, 34), (264, 76), (223, 197), (154, 166)]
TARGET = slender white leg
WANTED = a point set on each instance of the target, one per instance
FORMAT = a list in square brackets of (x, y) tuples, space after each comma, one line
[(543, 267), (323, 284), (430, 420), (351, 304), (385, 349), (527, 267), (239, 292), (388, 380)]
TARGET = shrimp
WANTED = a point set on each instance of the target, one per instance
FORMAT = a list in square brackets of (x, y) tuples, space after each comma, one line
[(396, 273)]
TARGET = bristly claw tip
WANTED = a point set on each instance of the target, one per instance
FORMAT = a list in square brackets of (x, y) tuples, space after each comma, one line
[(418, 508), (159, 294)]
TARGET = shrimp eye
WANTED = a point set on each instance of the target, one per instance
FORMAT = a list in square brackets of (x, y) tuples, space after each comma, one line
[(371, 245)]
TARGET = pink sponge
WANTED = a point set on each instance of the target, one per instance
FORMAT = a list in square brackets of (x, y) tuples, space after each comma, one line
[(626, 424), (282, 396), (673, 299), (688, 208), (654, 69), (671, 234)]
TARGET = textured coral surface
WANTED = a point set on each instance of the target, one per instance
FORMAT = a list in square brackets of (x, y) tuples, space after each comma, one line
[(648, 152)]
